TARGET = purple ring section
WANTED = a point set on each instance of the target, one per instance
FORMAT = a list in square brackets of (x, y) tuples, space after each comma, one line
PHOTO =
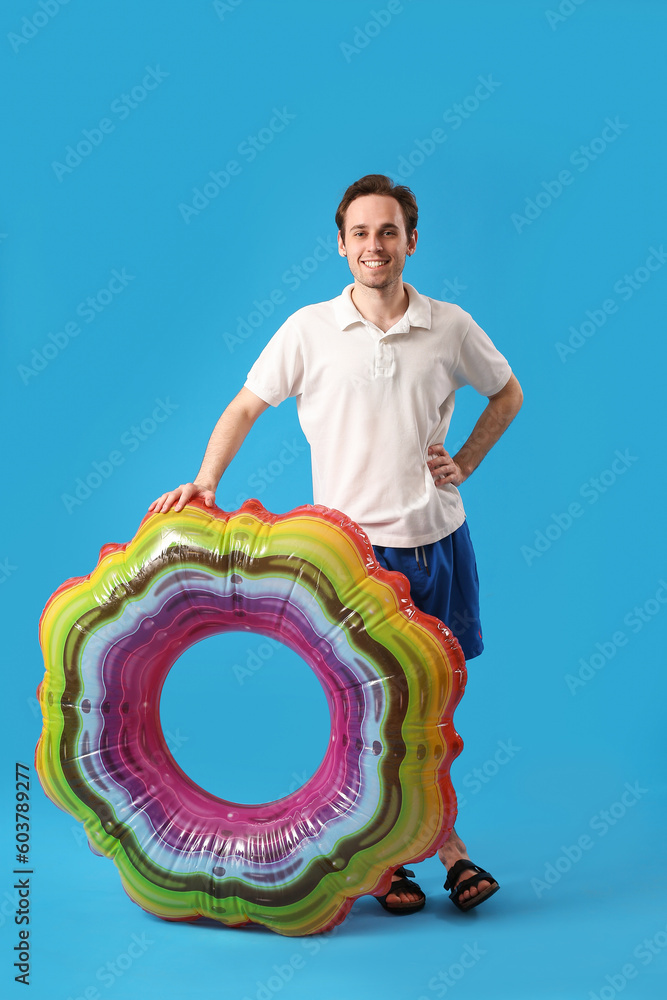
[(135, 754)]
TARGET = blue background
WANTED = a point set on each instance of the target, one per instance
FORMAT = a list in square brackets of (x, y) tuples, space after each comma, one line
[(555, 592)]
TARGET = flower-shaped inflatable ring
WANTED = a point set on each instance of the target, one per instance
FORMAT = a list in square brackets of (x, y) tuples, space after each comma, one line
[(381, 796)]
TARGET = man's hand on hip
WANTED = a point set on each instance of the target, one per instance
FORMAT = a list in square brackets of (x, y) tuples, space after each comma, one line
[(443, 468)]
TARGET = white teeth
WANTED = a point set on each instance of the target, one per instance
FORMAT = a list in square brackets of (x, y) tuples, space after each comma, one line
[(374, 263)]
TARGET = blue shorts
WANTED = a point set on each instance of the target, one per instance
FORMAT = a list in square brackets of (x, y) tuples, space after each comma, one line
[(443, 583)]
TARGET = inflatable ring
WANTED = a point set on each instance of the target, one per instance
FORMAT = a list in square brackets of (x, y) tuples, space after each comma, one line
[(381, 796)]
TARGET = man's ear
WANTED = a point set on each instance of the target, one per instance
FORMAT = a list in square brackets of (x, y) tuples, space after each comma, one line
[(341, 246)]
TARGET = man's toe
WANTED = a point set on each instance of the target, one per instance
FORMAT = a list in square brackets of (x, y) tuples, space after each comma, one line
[(404, 898), (472, 890)]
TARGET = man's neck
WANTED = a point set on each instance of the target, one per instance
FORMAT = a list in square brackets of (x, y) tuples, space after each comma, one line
[(381, 306)]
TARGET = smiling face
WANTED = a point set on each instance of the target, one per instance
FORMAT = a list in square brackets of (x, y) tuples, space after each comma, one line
[(376, 243)]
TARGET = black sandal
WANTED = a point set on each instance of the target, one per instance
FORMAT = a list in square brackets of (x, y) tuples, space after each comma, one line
[(402, 885), (453, 873)]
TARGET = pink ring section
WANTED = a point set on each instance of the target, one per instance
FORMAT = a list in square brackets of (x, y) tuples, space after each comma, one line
[(134, 753)]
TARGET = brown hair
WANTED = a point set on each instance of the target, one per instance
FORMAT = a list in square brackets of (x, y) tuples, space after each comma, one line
[(380, 184)]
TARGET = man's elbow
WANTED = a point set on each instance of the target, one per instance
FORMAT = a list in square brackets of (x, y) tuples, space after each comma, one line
[(517, 394), (510, 396)]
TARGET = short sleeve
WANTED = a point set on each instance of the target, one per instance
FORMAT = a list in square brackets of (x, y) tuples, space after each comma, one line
[(480, 363), (278, 371)]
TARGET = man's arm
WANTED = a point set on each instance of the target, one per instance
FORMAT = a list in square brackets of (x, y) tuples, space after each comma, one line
[(494, 420), (228, 435)]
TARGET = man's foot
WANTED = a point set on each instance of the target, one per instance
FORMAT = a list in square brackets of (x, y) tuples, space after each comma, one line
[(469, 884), (469, 893), (405, 896), (481, 884)]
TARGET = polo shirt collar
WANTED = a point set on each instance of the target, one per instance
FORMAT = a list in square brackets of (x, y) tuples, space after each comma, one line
[(419, 308)]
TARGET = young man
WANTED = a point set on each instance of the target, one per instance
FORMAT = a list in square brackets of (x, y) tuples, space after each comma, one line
[(374, 371)]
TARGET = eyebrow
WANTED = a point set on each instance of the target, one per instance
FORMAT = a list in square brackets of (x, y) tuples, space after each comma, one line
[(383, 225)]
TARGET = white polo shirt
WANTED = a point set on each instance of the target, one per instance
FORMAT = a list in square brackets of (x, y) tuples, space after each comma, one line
[(371, 403)]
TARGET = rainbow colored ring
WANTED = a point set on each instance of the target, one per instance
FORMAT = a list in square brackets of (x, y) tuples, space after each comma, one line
[(381, 796)]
